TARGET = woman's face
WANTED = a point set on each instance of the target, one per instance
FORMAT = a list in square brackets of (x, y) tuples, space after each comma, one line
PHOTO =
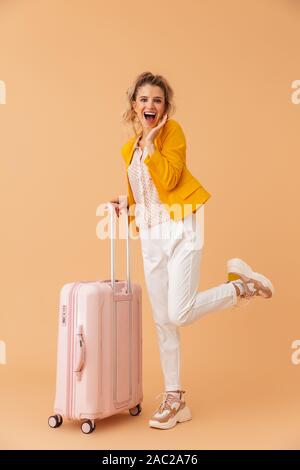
[(149, 99)]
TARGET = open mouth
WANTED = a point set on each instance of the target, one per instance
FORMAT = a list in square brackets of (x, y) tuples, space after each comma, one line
[(150, 117)]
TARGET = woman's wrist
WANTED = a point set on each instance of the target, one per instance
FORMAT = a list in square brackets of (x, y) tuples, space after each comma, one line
[(150, 147)]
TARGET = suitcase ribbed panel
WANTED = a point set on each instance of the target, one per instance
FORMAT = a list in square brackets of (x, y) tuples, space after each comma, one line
[(123, 353)]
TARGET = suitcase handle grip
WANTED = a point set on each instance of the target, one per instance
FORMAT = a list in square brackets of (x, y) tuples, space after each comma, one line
[(112, 249), (79, 352)]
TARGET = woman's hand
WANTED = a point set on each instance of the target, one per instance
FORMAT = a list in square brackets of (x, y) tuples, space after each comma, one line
[(118, 205), (153, 133)]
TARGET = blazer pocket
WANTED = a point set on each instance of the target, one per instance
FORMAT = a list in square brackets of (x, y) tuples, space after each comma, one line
[(188, 188)]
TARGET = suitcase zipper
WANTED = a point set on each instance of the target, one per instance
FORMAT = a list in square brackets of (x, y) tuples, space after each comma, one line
[(71, 350), (69, 319)]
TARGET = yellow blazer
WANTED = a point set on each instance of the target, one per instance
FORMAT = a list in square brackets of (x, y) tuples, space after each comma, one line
[(177, 188)]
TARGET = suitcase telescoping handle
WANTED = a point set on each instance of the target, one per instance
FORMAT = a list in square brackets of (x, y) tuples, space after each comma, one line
[(112, 250)]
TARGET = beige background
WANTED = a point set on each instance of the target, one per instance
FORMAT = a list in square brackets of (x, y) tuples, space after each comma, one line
[(66, 66)]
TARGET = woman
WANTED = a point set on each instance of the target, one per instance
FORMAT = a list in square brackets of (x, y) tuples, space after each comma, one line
[(166, 200)]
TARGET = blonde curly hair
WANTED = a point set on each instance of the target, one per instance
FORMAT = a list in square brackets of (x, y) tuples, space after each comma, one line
[(129, 116)]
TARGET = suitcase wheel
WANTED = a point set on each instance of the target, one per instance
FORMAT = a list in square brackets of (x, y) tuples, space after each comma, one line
[(88, 426), (136, 410), (55, 421)]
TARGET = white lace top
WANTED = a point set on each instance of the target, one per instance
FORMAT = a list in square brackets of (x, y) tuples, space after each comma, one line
[(149, 210)]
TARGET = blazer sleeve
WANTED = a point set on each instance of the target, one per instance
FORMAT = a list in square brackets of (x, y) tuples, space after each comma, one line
[(168, 164)]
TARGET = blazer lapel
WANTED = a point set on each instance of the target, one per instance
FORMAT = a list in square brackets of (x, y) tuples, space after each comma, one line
[(131, 150)]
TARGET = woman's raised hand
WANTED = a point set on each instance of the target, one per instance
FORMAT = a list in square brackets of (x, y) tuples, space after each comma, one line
[(153, 133)]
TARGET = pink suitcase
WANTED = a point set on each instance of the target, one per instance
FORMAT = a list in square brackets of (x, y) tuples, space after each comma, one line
[(99, 356)]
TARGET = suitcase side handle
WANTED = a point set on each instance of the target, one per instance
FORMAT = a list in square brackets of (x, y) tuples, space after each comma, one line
[(112, 249), (79, 352)]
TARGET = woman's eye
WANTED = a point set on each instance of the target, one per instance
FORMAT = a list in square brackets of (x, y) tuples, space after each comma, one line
[(144, 99)]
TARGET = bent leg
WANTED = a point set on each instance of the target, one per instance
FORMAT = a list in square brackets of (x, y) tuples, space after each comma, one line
[(185, 304)]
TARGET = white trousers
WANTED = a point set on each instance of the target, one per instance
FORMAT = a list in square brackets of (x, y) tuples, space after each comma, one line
[(171, 256)]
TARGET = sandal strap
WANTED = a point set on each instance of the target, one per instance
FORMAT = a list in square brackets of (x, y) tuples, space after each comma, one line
[(247, 292)]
